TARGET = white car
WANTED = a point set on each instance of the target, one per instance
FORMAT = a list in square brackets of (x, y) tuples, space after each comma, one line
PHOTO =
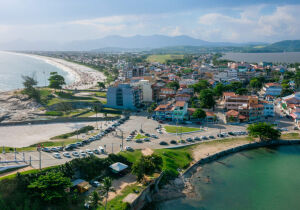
[(75, 154), (82, 153), (66, 154), (101, 149), (89, 152), (57, 155)]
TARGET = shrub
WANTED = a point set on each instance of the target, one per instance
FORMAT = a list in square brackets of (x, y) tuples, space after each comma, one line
[(54, 113)]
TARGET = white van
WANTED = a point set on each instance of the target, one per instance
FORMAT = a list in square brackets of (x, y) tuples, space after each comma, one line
[(101, 149)]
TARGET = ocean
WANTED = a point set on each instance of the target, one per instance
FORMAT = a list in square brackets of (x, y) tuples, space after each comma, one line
[(13, 66), (287, 57), (264, 178)]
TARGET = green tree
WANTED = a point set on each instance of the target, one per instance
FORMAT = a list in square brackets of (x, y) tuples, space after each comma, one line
[(101, 85), (207, 99), (241, 91), (264, 131), (95, 198), (51, 186), (233, 86), (219, 89), (201, 85), (199, 114), (29, 83), (255, 83), (152, 107), (173, 85), (56, 81), (107, 187)]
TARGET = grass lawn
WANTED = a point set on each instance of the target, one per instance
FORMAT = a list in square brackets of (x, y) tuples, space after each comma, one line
[(140, 136), (163, 58), (101, 94), (180, 129), (290, 136), (132, 156), (174, 159), (116, 203)]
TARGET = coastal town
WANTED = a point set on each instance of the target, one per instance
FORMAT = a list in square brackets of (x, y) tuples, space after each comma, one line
[(146, 104), (149, 105)]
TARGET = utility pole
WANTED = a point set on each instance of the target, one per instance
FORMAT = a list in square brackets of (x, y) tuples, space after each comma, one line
[(15, 154), (112, 147), (40, 161), (122, 140)]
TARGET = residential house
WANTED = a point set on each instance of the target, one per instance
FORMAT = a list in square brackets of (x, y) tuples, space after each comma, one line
[(163, 112), (180, 111), (167, 93), (146, 89), (182, 97), (273, 89)]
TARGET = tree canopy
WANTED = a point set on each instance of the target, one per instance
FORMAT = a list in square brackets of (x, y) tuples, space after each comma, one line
[(173, 85), (56, 81), (51, 186), (207, 99), (201, 85), (29, 83), (199, 114), (264, 131)]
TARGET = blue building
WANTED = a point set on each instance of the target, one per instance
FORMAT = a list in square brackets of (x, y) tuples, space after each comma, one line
[(124, 96)]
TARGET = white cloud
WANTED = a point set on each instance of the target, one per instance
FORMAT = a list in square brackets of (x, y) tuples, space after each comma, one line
[(283, 23)]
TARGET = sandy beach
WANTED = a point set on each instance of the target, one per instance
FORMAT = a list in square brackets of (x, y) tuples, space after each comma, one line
[(84, 77)]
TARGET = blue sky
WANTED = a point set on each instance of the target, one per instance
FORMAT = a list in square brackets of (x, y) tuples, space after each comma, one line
[(213, 20)]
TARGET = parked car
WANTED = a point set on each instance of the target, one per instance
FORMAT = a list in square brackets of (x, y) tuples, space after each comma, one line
[(101, 149), (96, 151), (46, 149), (75, 154), (163, 143), (79, 144), (173, 142), (82, 153), (66, 154), (54, 149), (231, 133), (138, 141), (196, 138), (211, 137), (89, 152), (181, 141), (189, 139), (146, 139), (95, 183), (128, 148), (147, 134), (154, 136), (57, 155), (204, 138)]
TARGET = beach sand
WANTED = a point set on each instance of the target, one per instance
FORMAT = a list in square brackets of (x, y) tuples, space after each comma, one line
[(84, 77)]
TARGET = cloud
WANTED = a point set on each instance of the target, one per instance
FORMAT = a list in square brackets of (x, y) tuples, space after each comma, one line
[(280, 24)]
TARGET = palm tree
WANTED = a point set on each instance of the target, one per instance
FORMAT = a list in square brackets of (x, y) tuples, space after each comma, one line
[(107, 187), (95, 198)]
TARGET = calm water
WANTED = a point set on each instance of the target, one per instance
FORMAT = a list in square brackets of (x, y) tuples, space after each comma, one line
[(287, 57), (260, 179), (12, 67)]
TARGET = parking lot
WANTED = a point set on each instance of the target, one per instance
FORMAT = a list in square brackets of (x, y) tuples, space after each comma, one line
[(112, 141)]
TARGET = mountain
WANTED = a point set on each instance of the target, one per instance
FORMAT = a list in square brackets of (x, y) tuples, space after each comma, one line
[(114, 42), (282, 46)]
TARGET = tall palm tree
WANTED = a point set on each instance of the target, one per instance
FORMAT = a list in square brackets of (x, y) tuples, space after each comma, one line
[(95, 198), (107, 187)]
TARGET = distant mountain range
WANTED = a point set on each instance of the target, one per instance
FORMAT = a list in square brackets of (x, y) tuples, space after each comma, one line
[(140, 43)]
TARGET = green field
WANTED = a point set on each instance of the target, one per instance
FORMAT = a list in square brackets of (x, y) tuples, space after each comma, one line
[(180, 129), (140, 136), (163, 58)]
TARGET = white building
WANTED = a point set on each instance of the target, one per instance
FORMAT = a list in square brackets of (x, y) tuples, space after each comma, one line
[(146, 89), (268, 109)]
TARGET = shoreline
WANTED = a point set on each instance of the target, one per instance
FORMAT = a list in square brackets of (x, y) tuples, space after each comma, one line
[(182, 186), (84, 77)]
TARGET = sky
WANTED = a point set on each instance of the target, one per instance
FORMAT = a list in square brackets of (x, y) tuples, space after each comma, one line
[(212, 20)]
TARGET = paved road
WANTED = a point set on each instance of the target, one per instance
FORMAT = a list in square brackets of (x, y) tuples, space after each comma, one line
[(113, 141)]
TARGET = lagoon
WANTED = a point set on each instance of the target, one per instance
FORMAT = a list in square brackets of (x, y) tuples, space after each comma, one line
[(285, 57), (264, 178)]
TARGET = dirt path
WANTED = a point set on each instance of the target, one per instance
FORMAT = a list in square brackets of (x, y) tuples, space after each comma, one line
[(120, 184), (147, 151), (210, 148), (19, 170)]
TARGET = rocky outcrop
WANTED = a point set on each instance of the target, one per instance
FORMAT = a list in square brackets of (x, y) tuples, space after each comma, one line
[(17, 107)]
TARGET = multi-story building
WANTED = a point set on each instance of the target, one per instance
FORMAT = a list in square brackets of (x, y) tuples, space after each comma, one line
[(180, 111), (273, 89), (146, 89), (123, 96), (268, 109), (129, 71)]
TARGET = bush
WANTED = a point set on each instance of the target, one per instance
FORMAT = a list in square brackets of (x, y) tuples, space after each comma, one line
[(54, 113)]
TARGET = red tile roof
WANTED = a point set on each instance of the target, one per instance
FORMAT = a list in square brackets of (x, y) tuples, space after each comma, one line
[(180, 103), (232, 113), (229, 94)]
